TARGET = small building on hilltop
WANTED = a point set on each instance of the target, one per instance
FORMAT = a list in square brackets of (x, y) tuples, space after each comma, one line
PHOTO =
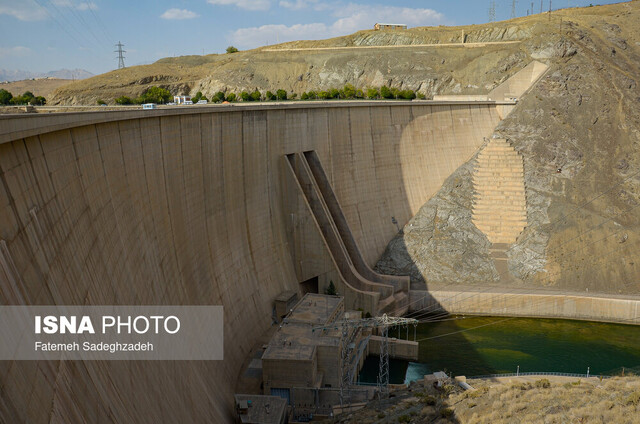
[(380, 26)]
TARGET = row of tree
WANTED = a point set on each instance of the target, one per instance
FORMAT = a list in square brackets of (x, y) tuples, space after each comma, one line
[(161, 95), (28, 98)]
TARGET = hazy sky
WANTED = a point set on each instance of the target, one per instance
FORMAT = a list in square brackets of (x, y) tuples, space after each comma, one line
[(44, 35)]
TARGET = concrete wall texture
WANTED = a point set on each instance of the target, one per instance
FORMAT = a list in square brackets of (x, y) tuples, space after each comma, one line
[(186, 207)]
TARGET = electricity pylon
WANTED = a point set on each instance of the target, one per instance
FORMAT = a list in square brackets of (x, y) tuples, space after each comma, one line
[(120, 54), (351, 328)]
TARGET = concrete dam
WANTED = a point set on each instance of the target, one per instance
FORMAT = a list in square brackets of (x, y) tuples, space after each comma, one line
[(194, 207), (219, 205)]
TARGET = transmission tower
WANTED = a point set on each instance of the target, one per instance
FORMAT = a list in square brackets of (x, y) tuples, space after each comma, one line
[(351, 328), (513, 9), (492, 11), (120, 54)]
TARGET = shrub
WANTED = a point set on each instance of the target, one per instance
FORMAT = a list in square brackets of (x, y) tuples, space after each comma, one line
[(124, 100), (100, 102), (359, 94), (270, 96), (245, 96), (281, 94), (231, 49), (304, 96), (372, 93), (324, 95), (349, 91), (255, 96), (385, 92), (231, 97), (404, 418), (446, 412), (429, 400), (421, 96), (543, 384), (39, 100), (312, 95), (334, 93), (408, 94), (633, 398)]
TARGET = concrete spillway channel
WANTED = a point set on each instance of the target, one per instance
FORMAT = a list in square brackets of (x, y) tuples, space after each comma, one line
[(366, 289)]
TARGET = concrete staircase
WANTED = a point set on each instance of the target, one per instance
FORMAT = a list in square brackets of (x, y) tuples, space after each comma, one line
[(500, 206)]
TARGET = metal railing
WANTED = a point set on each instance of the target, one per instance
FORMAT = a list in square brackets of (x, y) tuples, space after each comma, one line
[(541, 373)]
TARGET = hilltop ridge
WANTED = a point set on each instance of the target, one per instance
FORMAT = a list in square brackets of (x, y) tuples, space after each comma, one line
[(428, 70)]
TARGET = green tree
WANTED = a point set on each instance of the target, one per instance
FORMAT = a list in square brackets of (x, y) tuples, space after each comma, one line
[(372, 93), (231, 97), (281, 94), (39, 101), (334, 93), (312, 94), (255, 96), (218, 97), (124, 100), (349, 91), (408, 94), (324, 95), (359, 94), (245, 96), (270, 96), (231, 49), (385, 92), (5, 97), (304, 96), (294, 96), (197, 97), (421, 96), (395, 92), (155, 95), (331, 289)]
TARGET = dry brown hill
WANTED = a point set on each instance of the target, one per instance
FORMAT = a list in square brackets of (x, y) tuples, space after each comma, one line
[(367, 58), (39, 86), (583, 230)]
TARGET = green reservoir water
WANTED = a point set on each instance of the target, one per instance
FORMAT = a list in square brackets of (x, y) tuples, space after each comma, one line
[(493, 345)]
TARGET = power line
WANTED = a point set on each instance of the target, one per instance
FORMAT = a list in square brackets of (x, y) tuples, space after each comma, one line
[(99, 21)]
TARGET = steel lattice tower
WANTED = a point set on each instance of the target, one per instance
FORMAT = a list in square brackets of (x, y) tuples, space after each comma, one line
[(350, 331), (120, 54)]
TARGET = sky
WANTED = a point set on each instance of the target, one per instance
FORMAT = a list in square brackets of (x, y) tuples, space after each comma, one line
[(46, 35)]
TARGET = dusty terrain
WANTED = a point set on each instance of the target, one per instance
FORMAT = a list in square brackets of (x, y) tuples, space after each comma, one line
[(583, 230), (510, 400), (39, 87), (410, 65)]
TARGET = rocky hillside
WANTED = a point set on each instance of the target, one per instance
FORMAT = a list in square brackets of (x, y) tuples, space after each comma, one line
[(401, 61), (582, 118)]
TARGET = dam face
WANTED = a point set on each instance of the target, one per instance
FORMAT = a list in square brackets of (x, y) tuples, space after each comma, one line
[(194, 207)]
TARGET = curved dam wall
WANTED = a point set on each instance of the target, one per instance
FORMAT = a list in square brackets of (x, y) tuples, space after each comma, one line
[(191, 206)]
